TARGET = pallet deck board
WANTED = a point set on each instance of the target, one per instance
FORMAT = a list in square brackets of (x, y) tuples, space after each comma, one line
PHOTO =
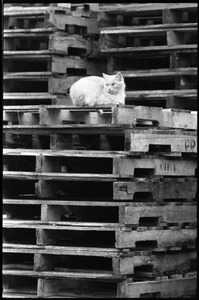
[(146, 7), (164, 288), (130, 29), (54, 274), (151, 49), (59, 250), (159, 72), (59, 176)]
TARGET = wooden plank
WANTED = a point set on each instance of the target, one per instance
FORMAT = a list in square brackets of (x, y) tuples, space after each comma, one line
[(16, 294), (125, 167), (148, 49), (63, 202), (135, 8), (164, 238), (59, 250), (27, 75), (83, 153), (48, 288), (59, 176), (164, 117), (160, 94), (178, 143), (149, 31), (27, 11), (64, 153), (130, 29), (166, 214), (60, 21), (61, 85), (171, 189), (164, 288), (60, 225), (48, 274), (159, 73), (19, 96)]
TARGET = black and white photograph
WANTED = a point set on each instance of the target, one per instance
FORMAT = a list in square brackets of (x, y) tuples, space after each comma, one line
[(99, 130)]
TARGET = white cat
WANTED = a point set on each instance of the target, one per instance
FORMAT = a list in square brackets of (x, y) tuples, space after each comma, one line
[(96, 91)]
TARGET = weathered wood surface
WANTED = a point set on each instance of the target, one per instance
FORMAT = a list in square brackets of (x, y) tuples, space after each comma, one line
[(164, 288), (177, 143), (146, 7), (27, 96), (123, 167), (59, 176), (122, 263), (85, 226), (166, 214), (64, 202), (166, 189), (60, 21), (147, 28), (124, 237), (148, 49), (160, 94), (159, 72), (64, 153), (54, 274), (27, 75), (29, 33), (164, 117), (59, 250), (25, 11), (164, 238), (159, 167), (59, 44), (121, 115)]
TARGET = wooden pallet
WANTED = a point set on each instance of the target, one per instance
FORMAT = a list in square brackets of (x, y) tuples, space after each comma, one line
[(60, 288), (84, 234), (50, 165), (40, 41), (148, 36), (35, 98), (57, 64), (41, 81), (178, 142), (59, 17), (176, 63), (160, 191), (103, 262), (146, 14), (126, 213), (115, 115), (146, 140), (101, 187)]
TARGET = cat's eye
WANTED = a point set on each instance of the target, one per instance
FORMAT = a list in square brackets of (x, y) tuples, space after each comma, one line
[(113, 83)]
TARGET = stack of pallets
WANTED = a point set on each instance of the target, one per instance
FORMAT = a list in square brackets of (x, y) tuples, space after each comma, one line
[(46, 49), (99, 201), (156, 48)]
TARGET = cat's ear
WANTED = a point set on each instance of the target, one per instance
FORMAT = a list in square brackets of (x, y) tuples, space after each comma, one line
[(119, 76), (105, 76)]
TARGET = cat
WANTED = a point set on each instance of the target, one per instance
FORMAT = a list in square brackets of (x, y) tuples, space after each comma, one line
[(96, 90)]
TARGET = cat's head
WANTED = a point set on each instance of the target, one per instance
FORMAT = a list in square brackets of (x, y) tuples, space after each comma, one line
[(113, 83)]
